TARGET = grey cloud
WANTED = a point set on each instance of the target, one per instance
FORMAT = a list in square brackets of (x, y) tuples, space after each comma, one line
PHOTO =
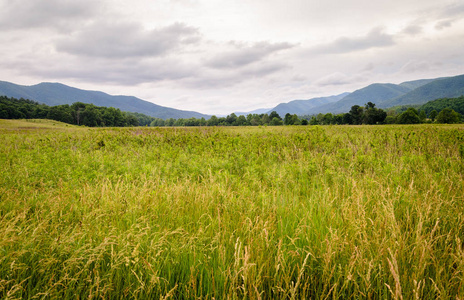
[(443, 24), (449, 15), (245, 55), (127, 72), (454, 10), (58, 14), (212, 78), (376, 38), (412, 29), (125, 40)]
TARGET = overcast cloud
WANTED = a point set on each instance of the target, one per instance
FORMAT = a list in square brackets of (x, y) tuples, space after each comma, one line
[(217, 57)]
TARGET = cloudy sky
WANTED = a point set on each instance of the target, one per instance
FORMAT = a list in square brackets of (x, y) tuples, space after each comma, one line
[(217, 57)]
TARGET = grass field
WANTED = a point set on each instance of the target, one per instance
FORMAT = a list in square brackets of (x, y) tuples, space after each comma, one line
[(285, 212)]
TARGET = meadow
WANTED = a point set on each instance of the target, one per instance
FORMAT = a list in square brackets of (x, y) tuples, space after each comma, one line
[(287, 212)]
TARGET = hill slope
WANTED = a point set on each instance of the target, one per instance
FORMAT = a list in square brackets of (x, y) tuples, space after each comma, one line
[(374, 93), (450, 87), (456, 104), (302, 107), (417, 83), (57, 94)]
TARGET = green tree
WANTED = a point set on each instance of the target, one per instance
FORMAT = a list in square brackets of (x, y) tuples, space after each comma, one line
[(213, 121), (327, 119), (347, 119), (422, 116), (276, 122), (433, 114), (373, 115), (296, 120), (356, 113), (157, 122), (241, 121), (390, 119), (410, 116), (230, 119), (265, 119), (448, 116), (169, 122), (274, 114)]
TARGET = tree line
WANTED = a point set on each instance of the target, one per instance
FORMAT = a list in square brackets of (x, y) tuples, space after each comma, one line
[(90, 115), (77, 113)]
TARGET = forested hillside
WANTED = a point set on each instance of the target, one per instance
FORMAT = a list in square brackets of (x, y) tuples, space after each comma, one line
[(77, 113), (59, 94), (442, 88), (456, 104)]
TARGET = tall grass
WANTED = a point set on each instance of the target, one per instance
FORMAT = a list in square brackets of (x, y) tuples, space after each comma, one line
[(272, 212)]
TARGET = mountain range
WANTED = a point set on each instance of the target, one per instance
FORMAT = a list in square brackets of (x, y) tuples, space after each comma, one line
[(57, 94), (384, 95)]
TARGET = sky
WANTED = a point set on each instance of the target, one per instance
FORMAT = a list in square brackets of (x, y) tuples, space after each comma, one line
[(219, 57)]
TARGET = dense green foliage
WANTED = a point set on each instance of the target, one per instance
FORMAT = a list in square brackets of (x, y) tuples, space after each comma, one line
[(78, 113), (456, 104), (448, 116), (288, 212), (94, 116)]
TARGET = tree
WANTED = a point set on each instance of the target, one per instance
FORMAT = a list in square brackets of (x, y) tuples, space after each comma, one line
[(157, 122), (213, 121), (390, 120), (337, 119), (410, 116), (347, 119), (274, 114), (132, 120), (422, 116), (288, 119), (295, 120), (231, 119), (356, 113), (369, 105), (433, 114), (241, 121), (373, 115), (313, 121), (448, 116), (169, 122), (327, 119), (276, 122)]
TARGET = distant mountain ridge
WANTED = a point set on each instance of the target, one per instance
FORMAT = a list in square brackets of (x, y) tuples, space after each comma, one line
[(384, 95), (450, 87), (300, 107), (58, 94), (374, 93)]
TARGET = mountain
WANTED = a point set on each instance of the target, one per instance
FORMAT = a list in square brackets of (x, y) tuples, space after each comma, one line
[(302, 107), (374, 93), (412, 85), (57, 94), (256, 111), (450, 87)]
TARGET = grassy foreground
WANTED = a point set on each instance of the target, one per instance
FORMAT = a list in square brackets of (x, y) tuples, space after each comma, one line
[(277, 212)]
